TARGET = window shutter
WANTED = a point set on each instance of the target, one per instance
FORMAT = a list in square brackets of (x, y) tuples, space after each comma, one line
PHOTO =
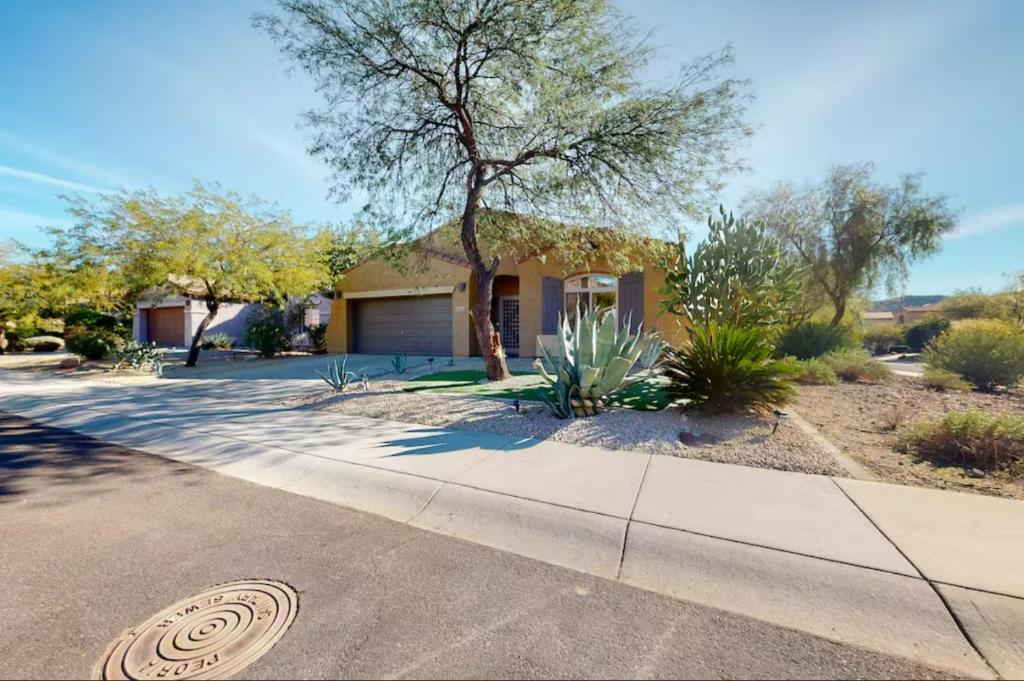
[(631, 299), (552, 301)]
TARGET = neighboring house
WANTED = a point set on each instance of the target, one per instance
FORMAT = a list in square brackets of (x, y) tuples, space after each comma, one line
[(877, 317), (422, 307), (909, 315), (901, 315), (174, 321)]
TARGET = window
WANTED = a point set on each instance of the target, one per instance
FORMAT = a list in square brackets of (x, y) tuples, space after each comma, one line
[(598, 291)]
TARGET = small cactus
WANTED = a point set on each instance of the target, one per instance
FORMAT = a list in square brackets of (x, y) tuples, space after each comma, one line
[(338, 376)]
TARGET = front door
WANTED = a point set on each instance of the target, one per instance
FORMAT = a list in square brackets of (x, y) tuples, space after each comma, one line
[(508, 323)]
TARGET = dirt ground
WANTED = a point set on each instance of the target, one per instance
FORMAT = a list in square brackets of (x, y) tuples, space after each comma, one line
[(864, 421)]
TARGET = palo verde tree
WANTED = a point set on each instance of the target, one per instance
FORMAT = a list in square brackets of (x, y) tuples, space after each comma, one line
[(851, 231), (218, 247), (436, 108)]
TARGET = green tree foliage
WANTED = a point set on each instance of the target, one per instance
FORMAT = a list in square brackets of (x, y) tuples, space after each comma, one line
[(808, 340), (878, 339), (218, 247), (1007, 305), (924, 331), (852, 231), (727, 368), (438, 108), (342, 248), (738, 276), (987, 352)]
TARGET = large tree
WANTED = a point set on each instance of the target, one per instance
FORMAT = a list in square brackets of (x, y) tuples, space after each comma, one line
[(219, 247), (853, 232), (437, 108)]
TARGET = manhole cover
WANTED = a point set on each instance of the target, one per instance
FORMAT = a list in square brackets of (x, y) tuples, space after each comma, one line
[(211, 635)]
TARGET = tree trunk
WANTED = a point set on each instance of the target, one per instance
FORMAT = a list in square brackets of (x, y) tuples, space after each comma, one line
[(840, 306), (486, 335), (193, 352)]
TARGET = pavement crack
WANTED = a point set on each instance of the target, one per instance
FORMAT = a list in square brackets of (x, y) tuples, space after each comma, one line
[(629, 518), (934, 587)]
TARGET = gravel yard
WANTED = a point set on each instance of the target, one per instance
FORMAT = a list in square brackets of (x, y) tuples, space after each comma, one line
[(744, 440), (860, 418)]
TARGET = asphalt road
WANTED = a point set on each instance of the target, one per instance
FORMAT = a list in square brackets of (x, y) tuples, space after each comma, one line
[(95, 539)]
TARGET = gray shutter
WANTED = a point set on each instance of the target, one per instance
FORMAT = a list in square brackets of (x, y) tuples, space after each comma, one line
[(552, 300), (631, 299)]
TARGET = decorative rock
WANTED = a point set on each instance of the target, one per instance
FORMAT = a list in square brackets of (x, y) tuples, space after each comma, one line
[(976, 473), (44, 343), (72, 362)]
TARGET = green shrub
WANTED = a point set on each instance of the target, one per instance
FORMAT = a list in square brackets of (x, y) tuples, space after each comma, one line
[(856, 364), (91, 343), (988, 353), (878, 339), (942, 380), (139, 356), (812, 371), (969, 438), (318, 336), (44, 343), (808, 340), (265, 332), (90, 319), (217, 341), (725, 368), (924, 331)]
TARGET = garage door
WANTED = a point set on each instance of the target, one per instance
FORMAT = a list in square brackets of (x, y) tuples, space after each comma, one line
[(167, 325), (419, 325)]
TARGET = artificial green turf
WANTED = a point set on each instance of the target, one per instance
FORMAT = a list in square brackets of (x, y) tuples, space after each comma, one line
[(646, 395)]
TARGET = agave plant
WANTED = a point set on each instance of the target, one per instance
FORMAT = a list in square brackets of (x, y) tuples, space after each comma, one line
[(595, 360), (338, 376)]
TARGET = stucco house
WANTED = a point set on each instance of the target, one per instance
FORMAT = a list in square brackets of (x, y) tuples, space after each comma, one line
[(421, 304), (173, 321)]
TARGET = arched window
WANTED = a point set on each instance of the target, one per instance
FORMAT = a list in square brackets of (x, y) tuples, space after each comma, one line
[(598, 291)]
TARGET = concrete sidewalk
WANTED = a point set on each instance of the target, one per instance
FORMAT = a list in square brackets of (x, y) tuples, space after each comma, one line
[(931, 576)]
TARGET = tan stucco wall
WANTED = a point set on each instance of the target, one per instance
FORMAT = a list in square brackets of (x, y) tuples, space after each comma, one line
[(422, 272), (531, 274), (426, 271)]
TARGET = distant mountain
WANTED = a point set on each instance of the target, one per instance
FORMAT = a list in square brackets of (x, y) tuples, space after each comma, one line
[(905, 301)]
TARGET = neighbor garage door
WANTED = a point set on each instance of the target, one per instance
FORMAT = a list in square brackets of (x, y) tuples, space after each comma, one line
[(419, 325), (167, 325)]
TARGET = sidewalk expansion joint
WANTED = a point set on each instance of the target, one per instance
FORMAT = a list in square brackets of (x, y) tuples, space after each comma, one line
[(629, 519), (932, 585)]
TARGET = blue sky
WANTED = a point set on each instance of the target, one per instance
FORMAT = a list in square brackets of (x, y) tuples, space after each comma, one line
[(96, 95)]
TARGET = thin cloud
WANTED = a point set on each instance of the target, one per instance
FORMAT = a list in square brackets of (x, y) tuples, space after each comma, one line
[(16, 220), (990, 221), (40, 178), (56, 160)]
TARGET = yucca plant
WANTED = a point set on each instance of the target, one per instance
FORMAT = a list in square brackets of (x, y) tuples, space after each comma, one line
[(596, 357), (338, 376), (727, 368)]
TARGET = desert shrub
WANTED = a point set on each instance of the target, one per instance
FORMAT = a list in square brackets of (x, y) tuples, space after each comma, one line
[(812, 371), (139, 356), (855, 364), (942, 380), (318, 336), (44, 343), (814, 339), (924, 331), (878, 339), (986, 352), (217, 341), (91, 343), (969, 438), (265, 332), (90, 319), (726, 368)]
